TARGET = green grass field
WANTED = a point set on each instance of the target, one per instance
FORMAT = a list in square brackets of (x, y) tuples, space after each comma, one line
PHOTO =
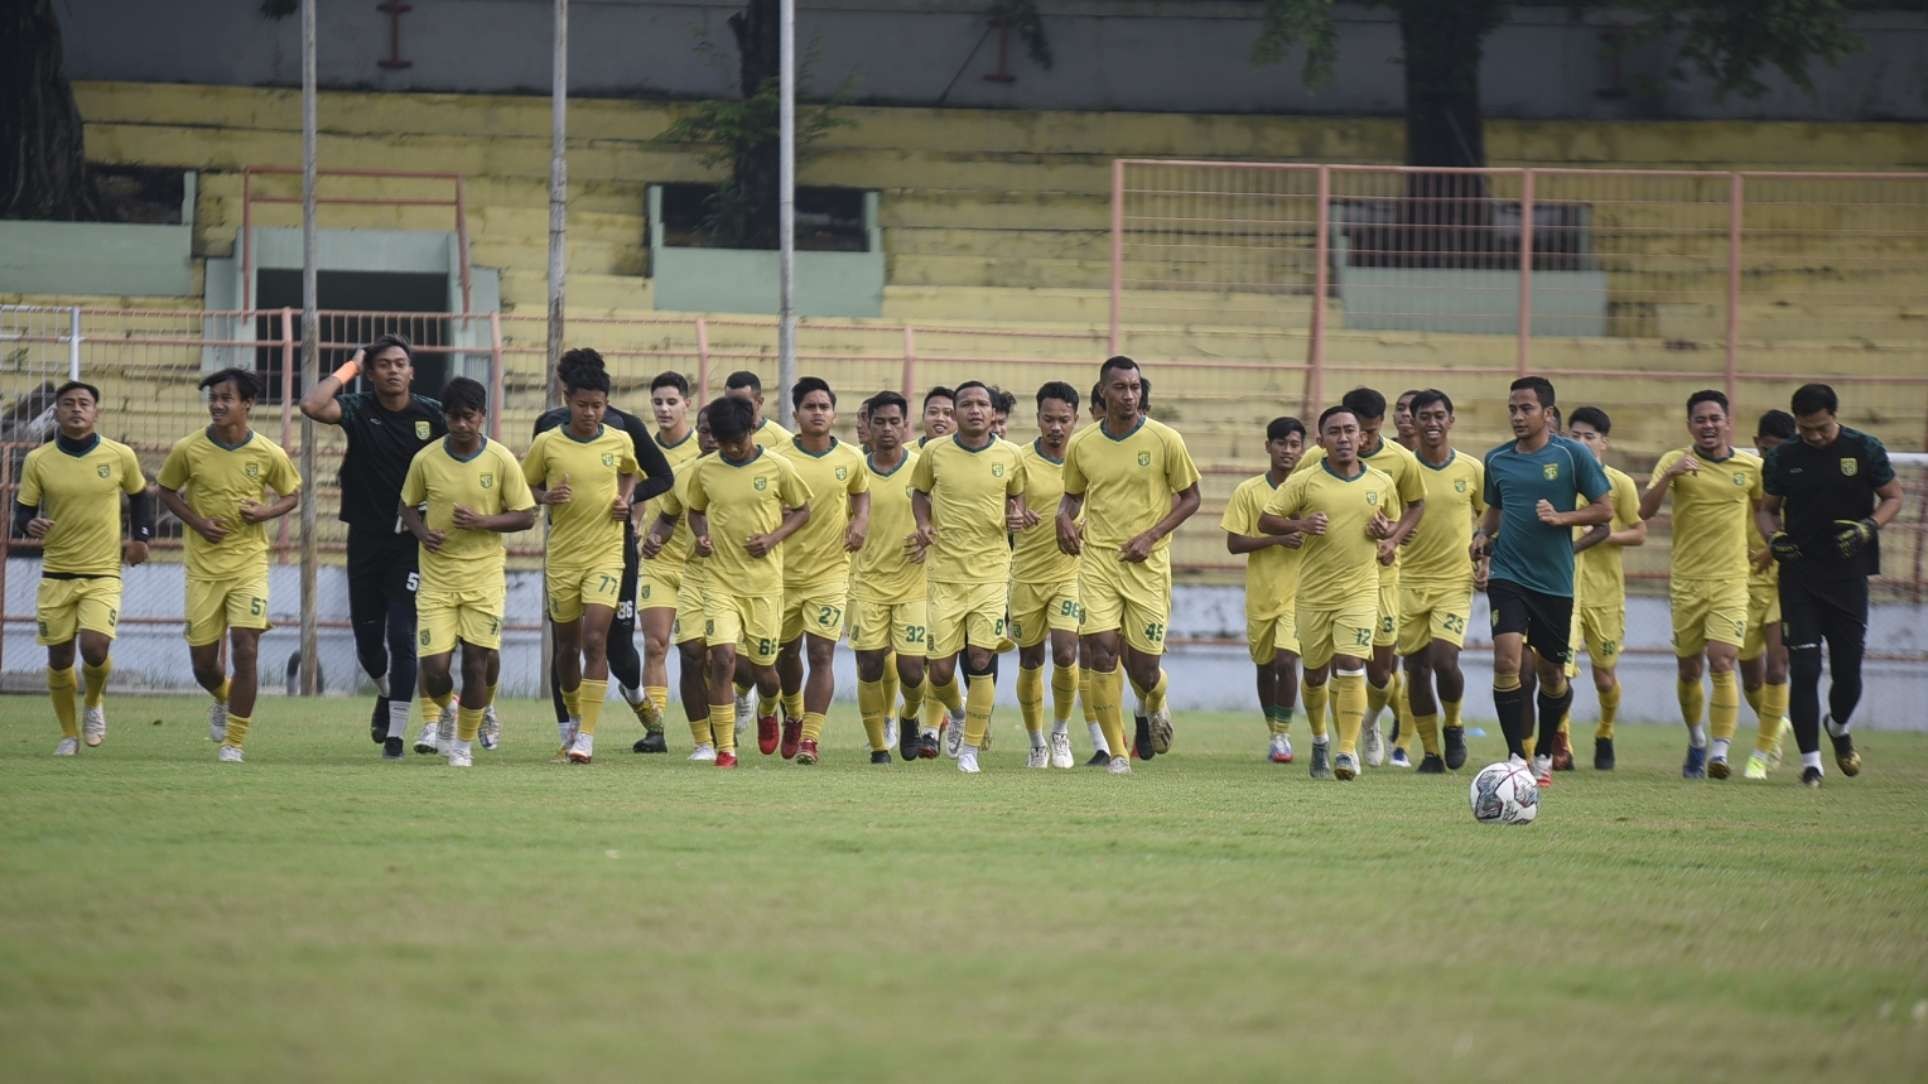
[(317, 914)]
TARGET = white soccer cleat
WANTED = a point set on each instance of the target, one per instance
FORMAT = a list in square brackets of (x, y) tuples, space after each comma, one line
[(745, 712), (1543, 771), (1061, 751), (491, 735), (229, 754), (68, 747), (430, 739), (1119, 766), (582, 749), (1161, 730), (704, 754), (890, 732), (217, 722), (445, 733), (954, 735), (967, 760), (1040, 757), (1375, 746), (460, 755), (1279, 749), (93, 726)]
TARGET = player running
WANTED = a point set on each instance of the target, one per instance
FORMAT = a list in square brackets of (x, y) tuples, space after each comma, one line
[(1600, 586), (1436, 584), (1829, 494), (385, 428), (659, 584), (70, 500), (889, 605), (473, 492), (1044, 584), (1271, 586), (745, 385), (1763, 660), (223, 470), (669, 533)]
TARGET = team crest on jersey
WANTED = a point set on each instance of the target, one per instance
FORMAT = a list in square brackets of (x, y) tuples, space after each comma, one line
[(104, 470), (997, 470), (488, 479), (1740, 478), (609, 459), (1551, 471), (1849, 467), (252, 470), (760, 484), (843, 473), (1372, 498), (1144, 459), (1459, 485), (421, 429)]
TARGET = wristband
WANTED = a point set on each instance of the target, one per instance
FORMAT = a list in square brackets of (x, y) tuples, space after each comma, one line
[(349, 371)]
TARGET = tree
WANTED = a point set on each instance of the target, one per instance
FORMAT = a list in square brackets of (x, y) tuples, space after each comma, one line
[(43, 157)]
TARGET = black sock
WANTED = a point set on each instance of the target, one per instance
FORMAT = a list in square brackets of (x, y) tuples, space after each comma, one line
[(1510, 705), (1552, 710)]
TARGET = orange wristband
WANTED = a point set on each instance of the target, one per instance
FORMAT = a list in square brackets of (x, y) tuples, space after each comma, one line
[(348, 371)]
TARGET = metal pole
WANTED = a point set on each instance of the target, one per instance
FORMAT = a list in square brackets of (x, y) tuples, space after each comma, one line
[(1117, 251), (1315, 341), (1522, 344), (1730, 363), (73, 343), (786, 207), (558, 258), (310, 355)]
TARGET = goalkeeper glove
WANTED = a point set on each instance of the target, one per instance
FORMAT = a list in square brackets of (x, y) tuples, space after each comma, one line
[(1853, 536), (1783, 547)]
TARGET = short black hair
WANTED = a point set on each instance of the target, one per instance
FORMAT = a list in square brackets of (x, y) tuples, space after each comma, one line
[(578, 360), (245, 384), (1003, 401), (1706, 395), (1776, 423), (1813, 398), (968, 385), (884, 399), (939, 392), (1144, 393), (670, 378), (1428, 396), (81, 385), (1364, 403), (1281, 428), (1540, 386), (742, 378), (805, 385), (1592, 416), (462, 395), (1059, 390), (1116, 361), (585, 378), (731, 419), (1330, 411), (384, 342)]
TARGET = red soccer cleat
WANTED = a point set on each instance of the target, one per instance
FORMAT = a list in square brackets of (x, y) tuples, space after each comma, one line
[(807, 751), (792, 737), (726, 759), (766, 734)]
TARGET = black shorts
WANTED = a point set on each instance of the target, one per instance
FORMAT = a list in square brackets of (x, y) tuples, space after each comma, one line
[(381, 567), (1547, 620), (626, 592), (1817, 610)]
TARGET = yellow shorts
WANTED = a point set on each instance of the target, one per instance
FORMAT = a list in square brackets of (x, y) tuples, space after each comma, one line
[(1763, 610), (751, 624), (1265, 637), (1604, 630), (66, 607), (1707, 611), (966, 613), (688, 624), (1325, 632), (1037, 610), (1386, 632), (1135, 599), (215, 606), (571, 590), (1432, 611), (660, 587), (472, 615), (903, 627), (817, 609)]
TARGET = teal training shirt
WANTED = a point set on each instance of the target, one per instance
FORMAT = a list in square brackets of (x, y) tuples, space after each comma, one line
[(1528, 552)]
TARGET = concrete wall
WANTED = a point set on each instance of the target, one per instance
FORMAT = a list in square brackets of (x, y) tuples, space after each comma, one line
[(1111, 54)]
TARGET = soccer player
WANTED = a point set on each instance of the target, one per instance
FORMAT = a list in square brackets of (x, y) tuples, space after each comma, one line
[(668, 535), (585, 474), (1534, 484), (966, 492), (1044, 584), (1829, 494), (70, 500), (743, 384), (1763, 659), (223, 470), (889, 603), (659, 592), (742, 504), (1134, 482), (620, 638), (816, 564), (1340, 507), (385, 428), (1600, 585), (1271, 586), (1436, 584), (940, 415), (1403, 422), (474, 493), (1714, 487)]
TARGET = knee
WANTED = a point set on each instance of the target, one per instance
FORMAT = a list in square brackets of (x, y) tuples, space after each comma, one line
[(1804, 664), (1064, 657), (1688, 667), (820, 653), (93, 649), (245, 650), (909, 670)]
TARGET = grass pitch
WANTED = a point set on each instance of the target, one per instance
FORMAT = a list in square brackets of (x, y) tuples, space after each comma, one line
[(317, 914)]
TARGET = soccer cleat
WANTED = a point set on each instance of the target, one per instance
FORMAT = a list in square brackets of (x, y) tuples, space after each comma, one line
[(1321, 763), (953, 738), (1399, 759), (445, 733), (1757, 765), (1603, 754), (491, 732), (1696, 763), (653, 742), (766, 733), (807, 751), (217, 722), (68, 747), (1141, 742), (1780, 739), (1345, 767), (1717, 768), (927, 746), (583, 749), (1280, 751), (1375, 747), (1562, 752), (1431, 765), (726, 759), (229, 754), (1061, 751), (909, 741), (429, 740), (378, 722), (792, 737), (967, 760), (394, 748), (648, 715), (890, 731), (1119, 766), (704, 754), (1039, 757), (880, 756), (460, 757), (93, 727), (1543, 771), (1810, 777), (1844, 755), (1455, 746), (1161, 730), (1099, 759)]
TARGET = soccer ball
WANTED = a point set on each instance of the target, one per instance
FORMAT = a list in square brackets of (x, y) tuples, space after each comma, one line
[(1505, 793)]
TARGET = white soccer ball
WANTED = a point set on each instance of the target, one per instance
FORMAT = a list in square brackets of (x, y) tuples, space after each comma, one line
[(1505, 793)]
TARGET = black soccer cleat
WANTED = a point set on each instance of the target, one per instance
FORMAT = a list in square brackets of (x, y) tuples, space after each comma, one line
[(1455, 746), (1811, 777), (880, 756), (1845, 756), (1431, 765), (1099, 759), (908, 739), (1603, 754), (378, 722), (653, 742), (928, 747), (1141, 739), (393, 749), (1321, 760)]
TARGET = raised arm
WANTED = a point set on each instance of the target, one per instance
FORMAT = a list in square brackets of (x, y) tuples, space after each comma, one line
[(318, 402)]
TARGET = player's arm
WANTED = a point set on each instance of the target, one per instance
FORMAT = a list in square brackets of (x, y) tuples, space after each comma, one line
[(657, 475), (1070, 537), (760, 545), (207, 528), (1598, 510), (1184, 503), (1489, 527), (29, 523), (658, 534), (859, 525), (319, 401), (923, 533), (1594, 535), (1890, 506), (505, 522), (1671, 466), (284, 503), (1627, 510), (1252, 543), (413, 524)]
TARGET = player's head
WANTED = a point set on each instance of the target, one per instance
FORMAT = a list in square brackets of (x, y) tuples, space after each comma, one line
[(1527, 401), (76, 405), (1554, 424), (1776, 428), (1057, 413), (231, 395), (705, 439), (975, 413), (743, 384), (1402, 416), (1707, 420), (1591, 427), (940, 412), (889, 421), (1429, 414), (669, 399), (815, 405), (1814, 407), (863, 422), (1144, 394), (733, 424), (1002, 404), (585, 391), (389, 363), (1339, 435), (1123, 386), (465, 403), (1369, 407), (1098, 400), (575, 361), (1284, 443)]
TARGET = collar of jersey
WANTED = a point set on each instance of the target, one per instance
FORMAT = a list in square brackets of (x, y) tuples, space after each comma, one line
[(1451, 454), (880, 472), (93, 441), (1375, 451), (678, 444), (797, 443), (223, 445), (1038, 447), (1695, 452), (449, 447), (600, 429), (958, 439), (1128, 433), (1326, 465), (744, 463)]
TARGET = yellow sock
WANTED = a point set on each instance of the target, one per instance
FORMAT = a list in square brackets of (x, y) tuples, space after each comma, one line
[(793, 704), (977, 707), (812, 726), (572, 702), (1609, 710), (657, 698), (913, 698), (1754, 697), (722, 727), (1064, 691), (237, 730), (60, 689), (221, 693), (871, 706), (468, 723), (934, 714), (488, 696), (1349, 697), (890, 682), (1107, 696), (1031, 698), (1428, 727), (700, 729), (1692, 700), (428, 707), (1084, 695), (1773, 710), (95, 678), (1724, 710), (946, 694), (1377, 696), (1316, 697), (766, 705), (589, 700), (1451, 708), (1155, 696)]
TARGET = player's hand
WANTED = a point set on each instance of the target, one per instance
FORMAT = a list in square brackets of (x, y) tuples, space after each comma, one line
[(1379, 527), (1071, 541), (1686, 464), (1023, 519), (1315, 524), (466, 518), (1851, 536), (913, 549), (1481, 546), (1547, 513), (1388, 551), (619, 508), (1783, 548), (1289, 541), (134, 552), (1482, 572), (254, 512), (1761, 561), (210, 530), (39, 527), (1137, 550), (432, 540), (759, 545), (700, 545), (651, 544), (559, 493)]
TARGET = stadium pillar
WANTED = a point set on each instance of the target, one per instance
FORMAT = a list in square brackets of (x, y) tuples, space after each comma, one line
[(786, 208), (558, 250), (1523, 344), (1736, 199), (1321, 278), (310, 357)]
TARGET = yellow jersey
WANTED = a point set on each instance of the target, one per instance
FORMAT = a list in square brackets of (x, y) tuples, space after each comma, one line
[(741, 501), (680, 455), (582, 535), (675, 505), (1271, 574), (1713, 514), (815, 555), (772, 436), (488, 483), (1438, 550), (1036, 559), (1600, 577), (967, 488), (1128, 483), (82, 495), (1341, 566), (219, 479), (1397, 462), (883, 573)]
